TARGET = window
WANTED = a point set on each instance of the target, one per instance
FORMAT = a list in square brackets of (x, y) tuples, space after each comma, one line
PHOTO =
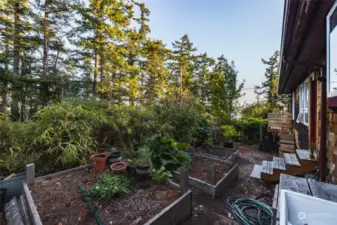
[(332, 51), (303, 115)]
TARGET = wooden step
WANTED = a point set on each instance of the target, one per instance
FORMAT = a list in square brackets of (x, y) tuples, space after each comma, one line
[(307, 164), (267, 167), (279, 164), (256, 173), (287, 141), (291, 159), (304, 155), (268, 173)]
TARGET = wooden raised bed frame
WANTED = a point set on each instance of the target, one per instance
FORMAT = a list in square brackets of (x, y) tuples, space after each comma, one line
[(175, 213), (223, 183)]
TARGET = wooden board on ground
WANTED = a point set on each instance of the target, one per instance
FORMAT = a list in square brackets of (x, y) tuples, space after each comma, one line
[(323, 190), (296, 184)]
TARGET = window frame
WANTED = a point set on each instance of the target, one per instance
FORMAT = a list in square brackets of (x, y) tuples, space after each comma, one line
[(303, 114), (331, 95)]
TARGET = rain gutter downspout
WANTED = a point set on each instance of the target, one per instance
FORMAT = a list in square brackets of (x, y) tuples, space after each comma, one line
[(323, 147)]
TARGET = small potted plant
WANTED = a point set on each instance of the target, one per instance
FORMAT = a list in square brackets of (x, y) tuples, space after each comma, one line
[(312, 150), (143, 164)]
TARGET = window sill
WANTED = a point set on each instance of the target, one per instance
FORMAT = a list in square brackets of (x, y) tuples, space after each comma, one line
[(332, 100)]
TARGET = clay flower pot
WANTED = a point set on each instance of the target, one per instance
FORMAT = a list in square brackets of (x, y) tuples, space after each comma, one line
[(119, 167), (99, 161)]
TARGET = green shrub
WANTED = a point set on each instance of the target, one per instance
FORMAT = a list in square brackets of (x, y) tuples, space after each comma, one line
[(109, 187), (165, 152), (66, 132), (161, 175), (179, 121), (202, 136)]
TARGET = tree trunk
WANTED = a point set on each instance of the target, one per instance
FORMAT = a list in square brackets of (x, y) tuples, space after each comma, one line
[(181, 83), (16, 62), (95, 73), (45, 29)]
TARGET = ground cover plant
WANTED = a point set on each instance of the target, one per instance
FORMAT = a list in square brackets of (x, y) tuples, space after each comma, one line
[(110, 186)]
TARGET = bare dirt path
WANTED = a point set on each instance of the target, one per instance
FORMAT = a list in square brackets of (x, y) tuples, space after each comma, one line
[(208, 211)]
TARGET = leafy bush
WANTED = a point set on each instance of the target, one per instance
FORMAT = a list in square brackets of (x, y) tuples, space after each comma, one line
[(161, 175), (109, 187), (179, 121), (202, 135), (165, 153), (66, 132), (251, 122), (229, 131)]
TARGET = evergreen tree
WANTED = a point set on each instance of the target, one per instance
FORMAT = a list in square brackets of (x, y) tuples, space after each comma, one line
[(155, 70), (183, 63), (100, 30), (201, 78), (224, 88), (268, 88)]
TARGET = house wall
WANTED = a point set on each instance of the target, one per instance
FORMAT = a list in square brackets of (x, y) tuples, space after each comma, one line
[(332, 145)]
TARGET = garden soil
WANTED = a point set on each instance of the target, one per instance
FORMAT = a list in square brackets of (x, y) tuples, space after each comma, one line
[(200, 168), (59, 202)]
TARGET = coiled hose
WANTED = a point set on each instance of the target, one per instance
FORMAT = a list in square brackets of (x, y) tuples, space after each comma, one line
[(250, 211), (91, 205)]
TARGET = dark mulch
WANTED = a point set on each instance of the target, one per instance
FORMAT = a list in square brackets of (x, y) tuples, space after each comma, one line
[(59, 202), (200, 168)]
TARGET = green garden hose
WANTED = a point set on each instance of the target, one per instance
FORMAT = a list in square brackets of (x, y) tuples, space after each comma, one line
[(91, 206), (250, 211)]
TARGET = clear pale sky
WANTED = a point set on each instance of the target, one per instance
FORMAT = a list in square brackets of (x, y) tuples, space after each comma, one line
[(243, 30)]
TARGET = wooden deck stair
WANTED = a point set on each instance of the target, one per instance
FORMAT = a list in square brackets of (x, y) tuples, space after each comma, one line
[(296, 163), (287, 144)]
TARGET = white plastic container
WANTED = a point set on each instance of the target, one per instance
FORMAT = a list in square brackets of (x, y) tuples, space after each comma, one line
[(300, 209)]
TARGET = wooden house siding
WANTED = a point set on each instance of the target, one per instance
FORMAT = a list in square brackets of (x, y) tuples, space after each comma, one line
[(332, 145)]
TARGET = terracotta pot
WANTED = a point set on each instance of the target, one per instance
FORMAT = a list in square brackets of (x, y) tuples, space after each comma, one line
[(99, 161), (119, 167)]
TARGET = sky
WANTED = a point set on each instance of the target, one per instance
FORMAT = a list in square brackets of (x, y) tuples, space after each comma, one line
[(242, 30)]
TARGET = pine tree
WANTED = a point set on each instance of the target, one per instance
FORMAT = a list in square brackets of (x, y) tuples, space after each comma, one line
[(268, 88), (224, 89), (155, 70), (201, 76), (14, 25), (100, 31), (183, 61)]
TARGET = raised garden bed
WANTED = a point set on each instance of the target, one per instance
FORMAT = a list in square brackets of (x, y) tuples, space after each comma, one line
[(148, 203), (210, 174), (226, 154)]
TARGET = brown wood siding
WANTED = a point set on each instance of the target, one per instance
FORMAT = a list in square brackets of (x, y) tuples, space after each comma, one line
[(332, 145)]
